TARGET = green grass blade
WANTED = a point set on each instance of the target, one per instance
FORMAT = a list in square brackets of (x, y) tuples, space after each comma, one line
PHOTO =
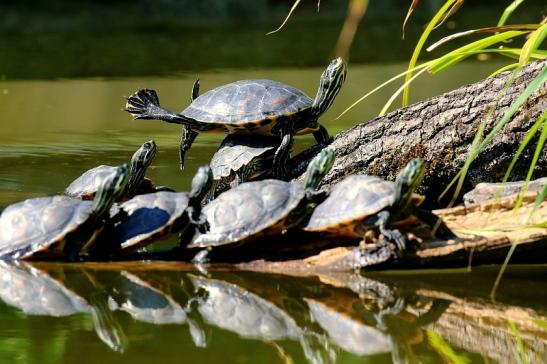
[(286, 18), (508, 11), (381, 86), (541, 197), (520, 342), (398, 92), (503, 69), (533, 43), (460, 54), (539, 149), (521, 27), (541, 323), (444, 350), (527, 138), (423, 38)]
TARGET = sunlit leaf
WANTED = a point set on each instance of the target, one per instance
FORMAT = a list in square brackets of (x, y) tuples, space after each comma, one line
[(457, 5), (508, 11), (444, 349), (411, 9), (534, 85), (520, 342), (533, 43), (523, 27), (423, 38), (394, 78), (287, 18), (460, 53), (537, 152), (541, 197), (503, 69)]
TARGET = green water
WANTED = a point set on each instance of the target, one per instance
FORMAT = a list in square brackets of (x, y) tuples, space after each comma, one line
[(64, 69)]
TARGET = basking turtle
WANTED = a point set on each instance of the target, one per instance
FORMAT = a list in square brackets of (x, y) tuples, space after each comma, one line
[(241, 158), (360, 203), (258, 107), (57, 226), (260, 208), (148, 217), (86, 186)]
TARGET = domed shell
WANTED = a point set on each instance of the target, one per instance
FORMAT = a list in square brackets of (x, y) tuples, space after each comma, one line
[(40, 225), (238, 151), (149, 217), (247, 101), (249, 210), (86, 186), (352, 200)]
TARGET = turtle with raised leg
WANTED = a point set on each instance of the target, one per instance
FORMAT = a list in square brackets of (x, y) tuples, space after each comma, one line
[(262, 208), (360, 203), (58, 227), (86, 186), (258, 107)]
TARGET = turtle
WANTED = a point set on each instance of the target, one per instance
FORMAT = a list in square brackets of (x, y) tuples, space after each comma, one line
[(148, 217), (257, 107), (57, 227), (360, 203), (262, 208), (86, 186), (240, 158)]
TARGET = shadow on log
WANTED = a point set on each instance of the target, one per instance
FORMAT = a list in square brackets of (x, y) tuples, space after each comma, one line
[(441, 130)]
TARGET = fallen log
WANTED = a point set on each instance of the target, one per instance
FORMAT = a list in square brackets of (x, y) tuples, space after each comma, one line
[(487, 232), (441, 130)]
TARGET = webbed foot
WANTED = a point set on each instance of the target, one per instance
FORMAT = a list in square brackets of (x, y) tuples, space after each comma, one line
[(143, 104)]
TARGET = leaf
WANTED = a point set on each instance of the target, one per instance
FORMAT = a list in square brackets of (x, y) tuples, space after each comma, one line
[(508, 11), (411, 9), (443, 349), (457, 5), (286, 19), (541, 197), (532, 44), (505, 28), (420, 44)]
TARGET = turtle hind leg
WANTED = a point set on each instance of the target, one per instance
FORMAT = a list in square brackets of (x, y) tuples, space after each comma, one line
[(321, 135), (145, 104), (393, 235)]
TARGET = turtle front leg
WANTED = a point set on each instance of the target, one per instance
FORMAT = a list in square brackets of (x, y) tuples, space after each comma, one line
[(186, 140), (282, 154), (321, 135), (393, 235)]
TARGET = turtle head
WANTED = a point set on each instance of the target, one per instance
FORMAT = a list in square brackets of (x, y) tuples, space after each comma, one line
[(140, 162), (408, 180), (329, 85), (318, 168), (201, 184), (112, 188)]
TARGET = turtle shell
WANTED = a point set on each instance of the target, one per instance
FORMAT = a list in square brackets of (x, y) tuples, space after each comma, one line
[(350, 202), (149, 217), (41, 226), (239, 151), (86, 186), (250, 210), (247, 102)]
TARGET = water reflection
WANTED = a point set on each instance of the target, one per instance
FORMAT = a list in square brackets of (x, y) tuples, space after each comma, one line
[(328, 319)]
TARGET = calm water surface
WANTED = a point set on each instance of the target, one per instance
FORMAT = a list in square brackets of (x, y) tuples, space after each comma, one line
[(52, 131)]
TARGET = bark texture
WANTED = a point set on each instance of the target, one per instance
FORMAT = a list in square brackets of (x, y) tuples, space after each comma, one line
[(440, 130)]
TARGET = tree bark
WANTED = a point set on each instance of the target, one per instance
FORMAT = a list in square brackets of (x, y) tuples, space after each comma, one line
[(441, 130)]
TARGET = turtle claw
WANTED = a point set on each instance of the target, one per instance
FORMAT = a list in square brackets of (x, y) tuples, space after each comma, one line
[(142, 104), (396, 237)]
